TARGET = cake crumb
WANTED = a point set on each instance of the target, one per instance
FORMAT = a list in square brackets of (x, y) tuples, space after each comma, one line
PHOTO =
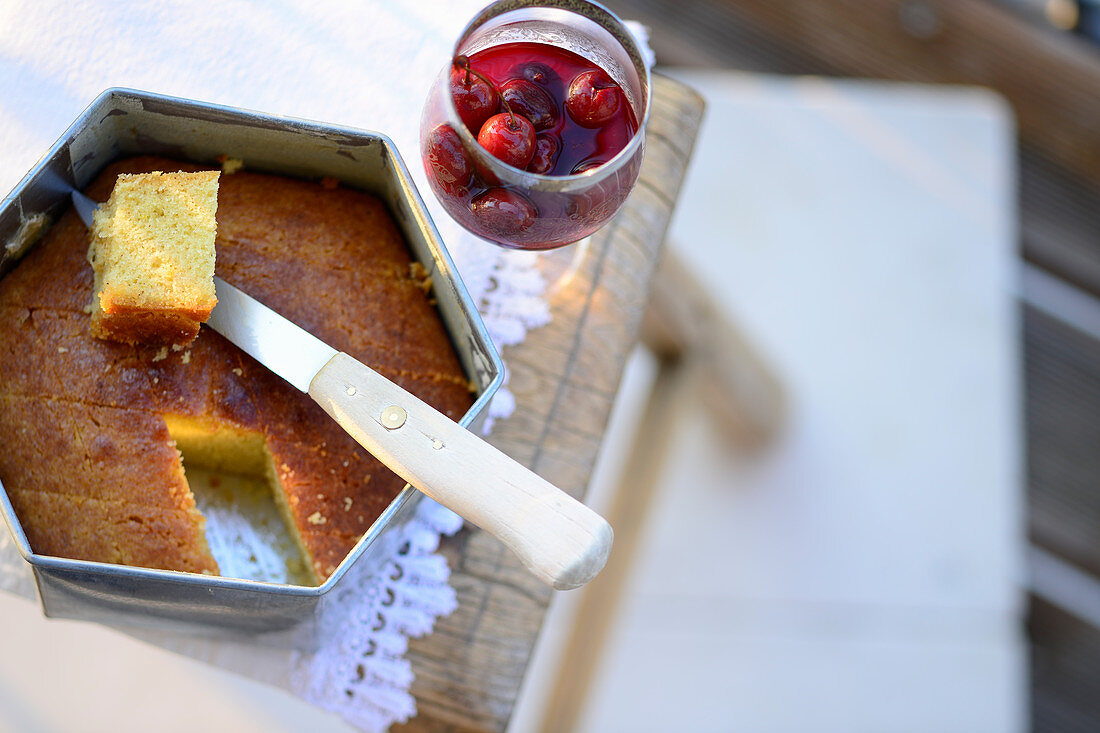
[(162, 354), (30, 229), (316, 518), (238, 371), (186, 358), (347, 503), (419, 273), (230, 165), (62, 350)]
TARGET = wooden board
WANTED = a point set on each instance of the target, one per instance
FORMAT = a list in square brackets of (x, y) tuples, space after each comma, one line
[(564, 376)]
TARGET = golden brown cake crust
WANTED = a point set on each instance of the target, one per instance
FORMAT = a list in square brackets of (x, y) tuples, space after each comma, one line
[(115, 532), (138, 325), (329, 259)]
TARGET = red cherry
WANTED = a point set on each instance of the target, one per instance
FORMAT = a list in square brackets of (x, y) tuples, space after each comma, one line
[(547, 148), (447, 160), (593, 98), (503, 212), (534, 103), (474, 98), (537, 73), (510, 138)]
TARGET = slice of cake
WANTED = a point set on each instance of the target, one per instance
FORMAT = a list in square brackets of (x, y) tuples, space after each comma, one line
[(152, 252)]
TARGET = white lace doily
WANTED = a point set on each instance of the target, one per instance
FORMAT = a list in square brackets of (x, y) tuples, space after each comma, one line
[(366, 64)]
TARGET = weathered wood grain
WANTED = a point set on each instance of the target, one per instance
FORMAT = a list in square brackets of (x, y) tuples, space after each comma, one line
[(1062, 373), (1065, 664), (564, 376)]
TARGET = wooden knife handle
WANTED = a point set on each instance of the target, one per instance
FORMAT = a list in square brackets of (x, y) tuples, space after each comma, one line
[(563, 542)]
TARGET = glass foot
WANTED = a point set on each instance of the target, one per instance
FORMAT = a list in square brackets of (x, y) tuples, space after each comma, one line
[(561, 266)]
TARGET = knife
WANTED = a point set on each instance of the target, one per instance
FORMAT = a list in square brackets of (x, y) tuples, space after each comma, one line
[(560, 540)]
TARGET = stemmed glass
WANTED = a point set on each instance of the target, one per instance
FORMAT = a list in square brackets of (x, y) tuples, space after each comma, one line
[(515, 207)]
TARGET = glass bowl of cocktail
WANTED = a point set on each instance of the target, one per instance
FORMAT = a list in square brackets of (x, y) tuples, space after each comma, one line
[(533, 134)]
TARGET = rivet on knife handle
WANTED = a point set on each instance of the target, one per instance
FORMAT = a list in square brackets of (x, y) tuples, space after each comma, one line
[(563, 542)]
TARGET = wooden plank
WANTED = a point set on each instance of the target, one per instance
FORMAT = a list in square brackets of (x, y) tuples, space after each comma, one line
[(1063, 401), (1065, 664), (468, 672), (1060, 220)]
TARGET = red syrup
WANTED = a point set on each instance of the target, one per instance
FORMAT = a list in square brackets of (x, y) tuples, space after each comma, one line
[(581, 119)]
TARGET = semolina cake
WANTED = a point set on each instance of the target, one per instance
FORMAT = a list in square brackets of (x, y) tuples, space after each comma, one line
[(152, 252), (92, 429)]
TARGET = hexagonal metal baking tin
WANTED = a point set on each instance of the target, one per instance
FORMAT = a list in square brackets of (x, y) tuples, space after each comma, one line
[(129, 122)]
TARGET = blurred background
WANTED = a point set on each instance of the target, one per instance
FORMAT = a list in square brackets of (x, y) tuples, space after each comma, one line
[(896, 206), (867, 497)]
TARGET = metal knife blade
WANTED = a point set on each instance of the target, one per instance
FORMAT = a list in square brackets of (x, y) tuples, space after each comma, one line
[(85, 208), (279, 344)]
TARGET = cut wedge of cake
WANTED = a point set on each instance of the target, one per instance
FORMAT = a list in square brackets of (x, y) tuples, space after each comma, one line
[(152, 251)]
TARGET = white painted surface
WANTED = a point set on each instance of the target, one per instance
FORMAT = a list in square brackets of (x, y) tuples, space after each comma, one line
[(862, 575)]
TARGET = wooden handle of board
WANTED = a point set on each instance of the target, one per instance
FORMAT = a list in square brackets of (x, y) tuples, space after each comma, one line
[(560, 540)]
